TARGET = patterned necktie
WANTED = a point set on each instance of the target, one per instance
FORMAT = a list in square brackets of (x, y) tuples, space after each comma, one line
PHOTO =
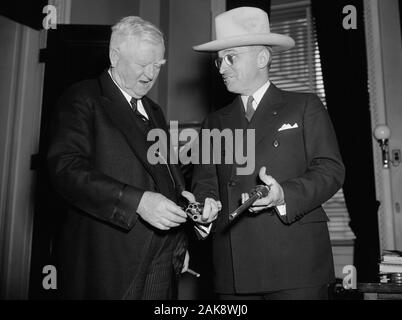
[(249, 108), (133, 103)]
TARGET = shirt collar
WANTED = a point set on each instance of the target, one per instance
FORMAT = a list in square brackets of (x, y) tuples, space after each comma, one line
[(125, 94), (257, 96), (140, 106)]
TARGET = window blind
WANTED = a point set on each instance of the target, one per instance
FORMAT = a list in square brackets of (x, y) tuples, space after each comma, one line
[(298, 69)]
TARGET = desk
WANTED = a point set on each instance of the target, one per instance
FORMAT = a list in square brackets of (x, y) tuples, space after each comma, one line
[(380, 291)]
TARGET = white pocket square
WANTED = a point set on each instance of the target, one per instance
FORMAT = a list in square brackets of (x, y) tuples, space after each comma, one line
[(287, 126)]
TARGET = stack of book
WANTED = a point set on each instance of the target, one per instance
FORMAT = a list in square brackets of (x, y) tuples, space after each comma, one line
[(391, 266)]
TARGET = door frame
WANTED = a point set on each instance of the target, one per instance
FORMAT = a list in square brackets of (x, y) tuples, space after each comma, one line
[(22, 112)]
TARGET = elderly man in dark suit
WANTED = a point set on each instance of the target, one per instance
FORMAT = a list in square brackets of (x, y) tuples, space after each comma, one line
[(122, 236), (280, 250)]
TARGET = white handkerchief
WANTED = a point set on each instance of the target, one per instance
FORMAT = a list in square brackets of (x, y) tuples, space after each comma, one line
[(287, 126)]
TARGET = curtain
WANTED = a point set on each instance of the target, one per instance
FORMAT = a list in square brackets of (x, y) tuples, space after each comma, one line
[(344, 66)]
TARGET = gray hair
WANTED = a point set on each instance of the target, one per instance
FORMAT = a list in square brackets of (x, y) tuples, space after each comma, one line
[(133, 26)]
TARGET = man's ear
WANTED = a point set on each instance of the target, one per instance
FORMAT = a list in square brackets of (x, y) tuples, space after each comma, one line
[(263, 58), (114, 56)]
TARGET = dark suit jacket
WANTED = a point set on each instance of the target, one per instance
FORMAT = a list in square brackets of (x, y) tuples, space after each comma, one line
[(267, 252), (98, 163)]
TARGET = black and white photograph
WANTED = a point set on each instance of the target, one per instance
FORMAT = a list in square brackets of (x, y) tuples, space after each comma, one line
[(187, 152)]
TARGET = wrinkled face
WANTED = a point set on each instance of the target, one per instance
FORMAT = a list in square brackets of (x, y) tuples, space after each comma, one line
[(240, 69), (136, 65)]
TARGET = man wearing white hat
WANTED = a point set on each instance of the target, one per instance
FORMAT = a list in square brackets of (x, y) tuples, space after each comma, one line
[(281, 249)]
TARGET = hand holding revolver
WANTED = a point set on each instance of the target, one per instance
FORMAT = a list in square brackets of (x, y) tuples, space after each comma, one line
[(202, 213), (274, 198)]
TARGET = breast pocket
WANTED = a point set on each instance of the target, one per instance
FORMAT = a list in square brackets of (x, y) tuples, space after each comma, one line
[(289, 132)]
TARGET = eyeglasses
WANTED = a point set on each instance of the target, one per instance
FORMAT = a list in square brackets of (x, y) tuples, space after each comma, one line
[(229, 59)]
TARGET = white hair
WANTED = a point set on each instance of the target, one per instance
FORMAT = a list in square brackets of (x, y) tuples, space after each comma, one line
[(133, 26)]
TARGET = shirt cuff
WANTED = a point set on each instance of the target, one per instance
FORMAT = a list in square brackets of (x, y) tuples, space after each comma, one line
[(282, 209)]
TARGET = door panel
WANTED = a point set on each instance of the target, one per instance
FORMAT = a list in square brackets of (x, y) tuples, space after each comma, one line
[(73, 53)]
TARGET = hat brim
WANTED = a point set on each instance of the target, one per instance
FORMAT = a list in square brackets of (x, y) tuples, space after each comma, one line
[(277, 42)]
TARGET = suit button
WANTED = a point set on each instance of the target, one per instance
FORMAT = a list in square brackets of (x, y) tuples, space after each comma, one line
[(232, 183), (275, 113), (276, 143)]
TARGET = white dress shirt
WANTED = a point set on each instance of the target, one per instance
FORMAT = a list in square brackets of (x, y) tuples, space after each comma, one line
[(140, 107)]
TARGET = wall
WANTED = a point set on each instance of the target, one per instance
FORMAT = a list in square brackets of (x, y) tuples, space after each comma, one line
[(188, 71), (103, 12), (8, 61)]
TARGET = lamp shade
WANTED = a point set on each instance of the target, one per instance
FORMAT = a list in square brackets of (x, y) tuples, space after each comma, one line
[(382, 132)]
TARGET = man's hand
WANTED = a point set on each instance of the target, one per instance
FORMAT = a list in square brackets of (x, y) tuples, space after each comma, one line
[(160, 212), (274, 198), (211, 207)]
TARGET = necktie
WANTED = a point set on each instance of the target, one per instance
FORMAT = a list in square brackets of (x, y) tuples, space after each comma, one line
[(249, 108), (133, 103)]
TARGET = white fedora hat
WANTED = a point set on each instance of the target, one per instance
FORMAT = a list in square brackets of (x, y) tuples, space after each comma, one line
[(245, 26)]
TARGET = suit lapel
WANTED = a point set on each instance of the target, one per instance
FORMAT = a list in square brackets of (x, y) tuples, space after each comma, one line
[(121, 115), (263, 121), (268, 111), (158, 120), (151, 109), (233, 118)]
